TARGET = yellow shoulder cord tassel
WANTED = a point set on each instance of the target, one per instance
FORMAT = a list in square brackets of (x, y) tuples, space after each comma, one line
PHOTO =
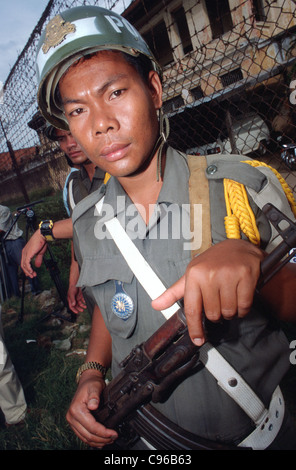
[(240, 216)]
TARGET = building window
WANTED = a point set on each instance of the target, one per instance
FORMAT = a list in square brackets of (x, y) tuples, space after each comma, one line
[(219, 16), (231, 77), (173, 104), (197, 93), (181, 22), (258, 10), (158, 41)]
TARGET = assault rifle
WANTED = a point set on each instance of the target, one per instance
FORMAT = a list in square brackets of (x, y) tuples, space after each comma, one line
[(155, 367)]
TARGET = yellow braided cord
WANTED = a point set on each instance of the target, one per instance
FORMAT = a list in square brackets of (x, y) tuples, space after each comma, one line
[(287, 190), (106, 178), (240, 216)]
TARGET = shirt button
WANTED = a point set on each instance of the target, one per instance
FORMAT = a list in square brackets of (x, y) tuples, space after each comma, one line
[(211, 169)]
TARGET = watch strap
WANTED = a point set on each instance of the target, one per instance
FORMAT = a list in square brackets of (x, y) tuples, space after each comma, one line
[(90, 365), (46, 230)]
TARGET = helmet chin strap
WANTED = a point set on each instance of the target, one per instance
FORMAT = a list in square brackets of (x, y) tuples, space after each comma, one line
[(164, 130)]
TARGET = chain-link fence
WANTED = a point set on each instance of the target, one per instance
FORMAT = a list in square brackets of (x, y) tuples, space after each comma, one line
[(229, 85)]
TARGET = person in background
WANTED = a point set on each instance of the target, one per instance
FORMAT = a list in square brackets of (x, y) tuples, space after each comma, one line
[(12, 399), (13, 243), (83, 179)]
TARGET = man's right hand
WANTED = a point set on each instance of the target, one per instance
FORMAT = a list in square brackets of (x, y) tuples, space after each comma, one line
[(36, 246)]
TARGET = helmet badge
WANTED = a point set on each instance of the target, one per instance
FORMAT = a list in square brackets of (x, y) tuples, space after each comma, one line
[(56, 31)]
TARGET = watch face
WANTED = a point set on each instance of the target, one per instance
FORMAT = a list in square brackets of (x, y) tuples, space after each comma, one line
[(47, 224), (46, 229), (44, 226)]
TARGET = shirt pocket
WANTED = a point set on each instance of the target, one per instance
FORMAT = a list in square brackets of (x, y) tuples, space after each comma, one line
[(100, 274)]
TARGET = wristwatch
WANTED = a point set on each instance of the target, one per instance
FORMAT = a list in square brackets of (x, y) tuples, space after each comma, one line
[(90, 365), (46, 230)]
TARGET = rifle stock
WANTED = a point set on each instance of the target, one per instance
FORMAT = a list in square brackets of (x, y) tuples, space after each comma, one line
[(168, 356)]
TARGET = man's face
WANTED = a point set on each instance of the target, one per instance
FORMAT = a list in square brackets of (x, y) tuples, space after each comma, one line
[(71, 148), (112, 112)]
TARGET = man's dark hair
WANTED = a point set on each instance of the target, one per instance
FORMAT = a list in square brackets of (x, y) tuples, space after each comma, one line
[(141, 63)]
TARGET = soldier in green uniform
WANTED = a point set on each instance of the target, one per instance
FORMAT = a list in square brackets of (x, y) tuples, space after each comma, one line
[(98, 78), (87, 179)]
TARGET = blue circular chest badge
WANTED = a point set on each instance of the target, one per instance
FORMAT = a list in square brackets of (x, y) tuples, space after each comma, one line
[(122, 304)]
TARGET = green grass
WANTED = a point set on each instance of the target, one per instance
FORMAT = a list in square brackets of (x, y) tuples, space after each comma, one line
[(46, 373)]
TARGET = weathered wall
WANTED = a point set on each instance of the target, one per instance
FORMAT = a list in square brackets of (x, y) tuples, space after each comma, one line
[(50, 175)]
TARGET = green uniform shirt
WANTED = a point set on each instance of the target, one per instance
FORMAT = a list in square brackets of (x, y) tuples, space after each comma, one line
[(252, 345), (79, 185)]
